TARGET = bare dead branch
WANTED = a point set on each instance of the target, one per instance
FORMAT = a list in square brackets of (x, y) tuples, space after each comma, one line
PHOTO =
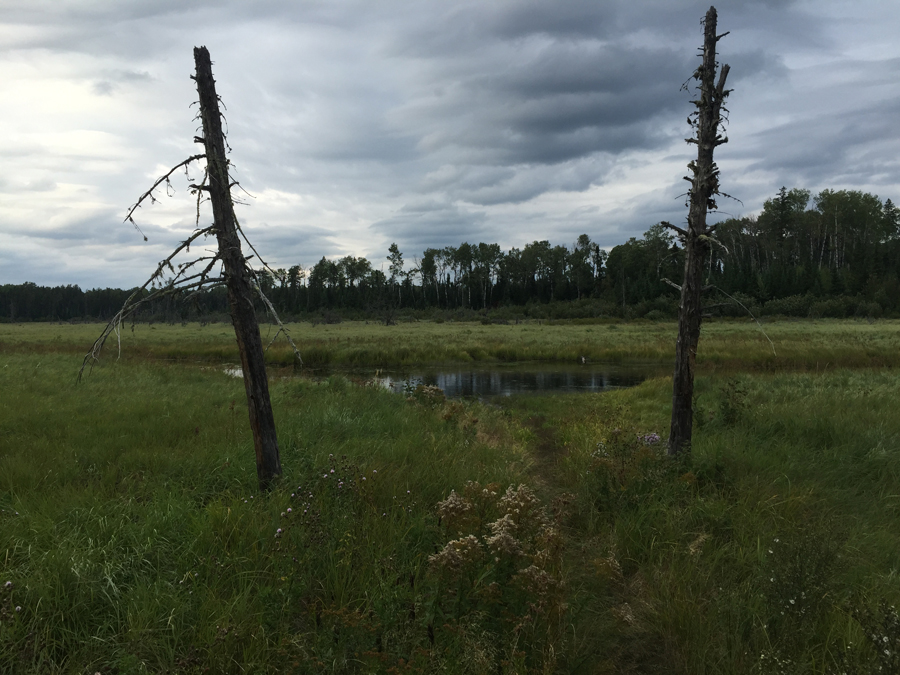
[(149, 193), (252, 247), (712, 240), (677, 229), (725, 194), (200, 190), (271, 309), (237, 184), (130, 306), (199, 275), (751, 316), (671, 283), (723, 75), (114, 325)]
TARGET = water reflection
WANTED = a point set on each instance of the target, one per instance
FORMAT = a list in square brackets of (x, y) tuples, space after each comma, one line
[(508, 380)]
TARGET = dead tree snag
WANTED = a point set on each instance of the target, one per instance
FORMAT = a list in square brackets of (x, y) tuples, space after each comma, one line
[(707, 122), (226, 267), (237, 280)]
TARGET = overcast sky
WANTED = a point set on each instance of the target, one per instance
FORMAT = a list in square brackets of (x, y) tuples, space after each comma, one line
[(358, 124)]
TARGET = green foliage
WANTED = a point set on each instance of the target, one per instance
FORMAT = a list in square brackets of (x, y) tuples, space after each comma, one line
[(732, 402), (831, 260), (134, 538), (725, 344), (693, 568), (833, 254)]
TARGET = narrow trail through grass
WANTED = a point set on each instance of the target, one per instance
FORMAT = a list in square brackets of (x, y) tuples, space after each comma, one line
[(546, 447), (773, 549)]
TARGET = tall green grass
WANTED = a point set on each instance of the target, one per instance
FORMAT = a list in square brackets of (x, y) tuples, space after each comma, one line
[(724, 345), (135, 540), (774, 548)]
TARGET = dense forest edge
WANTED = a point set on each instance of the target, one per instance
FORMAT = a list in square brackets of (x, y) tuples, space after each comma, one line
[(834, 255)]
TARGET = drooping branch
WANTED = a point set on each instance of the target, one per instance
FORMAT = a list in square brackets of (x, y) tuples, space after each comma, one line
[(271, 309), (258, 287), (670, 283), (149, 193), (132, 305), (134, 301), (752, 316)]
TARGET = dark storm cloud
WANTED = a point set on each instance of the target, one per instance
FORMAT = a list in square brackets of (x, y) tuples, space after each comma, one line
[(549, 102), (858, 147), (428, 223), (583, 19), (528, 182), (522, 89), (303, 237), (822, 147), (430, 123)]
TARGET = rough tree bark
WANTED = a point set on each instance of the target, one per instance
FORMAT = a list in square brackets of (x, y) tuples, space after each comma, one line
[(237, 279), (707, 121)]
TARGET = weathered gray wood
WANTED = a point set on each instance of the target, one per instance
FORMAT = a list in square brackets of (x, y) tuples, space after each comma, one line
[(704, 188), (238, 283)]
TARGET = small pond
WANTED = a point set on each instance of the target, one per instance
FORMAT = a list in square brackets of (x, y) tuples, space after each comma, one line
[(506, 380), (484, 381)]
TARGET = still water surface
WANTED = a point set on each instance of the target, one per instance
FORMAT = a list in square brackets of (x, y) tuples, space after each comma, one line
[(504, 380), (500, 380)]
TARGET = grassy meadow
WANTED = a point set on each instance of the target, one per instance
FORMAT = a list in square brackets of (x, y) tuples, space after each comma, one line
[(533, 534), (726, 344)]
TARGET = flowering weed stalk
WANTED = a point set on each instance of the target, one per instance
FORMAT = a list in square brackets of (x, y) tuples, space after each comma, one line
[(499, 574)]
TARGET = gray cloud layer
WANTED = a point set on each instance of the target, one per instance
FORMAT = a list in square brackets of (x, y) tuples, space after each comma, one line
[(355, 124)]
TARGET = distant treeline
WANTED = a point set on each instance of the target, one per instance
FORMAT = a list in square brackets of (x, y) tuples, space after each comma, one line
[(835, 255)]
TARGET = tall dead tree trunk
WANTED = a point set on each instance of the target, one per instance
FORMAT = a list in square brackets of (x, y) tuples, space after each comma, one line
[(707, 121), (200, 274), (237, 279)]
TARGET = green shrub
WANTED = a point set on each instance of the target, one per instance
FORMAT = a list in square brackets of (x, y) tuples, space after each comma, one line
[(794, 305)]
